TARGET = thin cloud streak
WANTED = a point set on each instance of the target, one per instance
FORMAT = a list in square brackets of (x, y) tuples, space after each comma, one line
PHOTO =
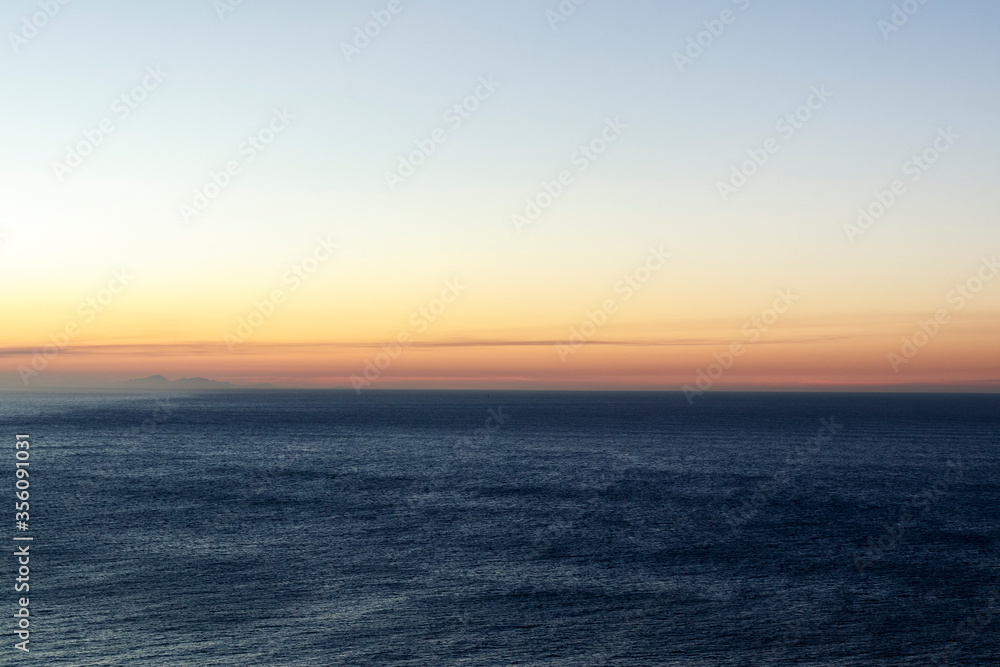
[(202, 348)]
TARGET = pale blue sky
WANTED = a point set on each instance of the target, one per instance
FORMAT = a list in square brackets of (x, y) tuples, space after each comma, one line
[(611, 59)]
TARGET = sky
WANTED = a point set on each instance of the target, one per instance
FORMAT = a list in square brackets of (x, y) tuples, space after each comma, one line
[(729, 194)]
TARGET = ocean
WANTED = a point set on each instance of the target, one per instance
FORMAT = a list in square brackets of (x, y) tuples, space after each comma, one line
[(506, 528)]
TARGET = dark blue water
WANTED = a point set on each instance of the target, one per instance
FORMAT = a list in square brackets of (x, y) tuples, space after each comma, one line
[(324, 528)]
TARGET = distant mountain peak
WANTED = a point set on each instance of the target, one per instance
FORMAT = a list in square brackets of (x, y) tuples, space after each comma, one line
[(160, 382)]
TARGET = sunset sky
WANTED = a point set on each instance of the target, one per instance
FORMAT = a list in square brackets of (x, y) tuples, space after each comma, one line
[(442, 258)]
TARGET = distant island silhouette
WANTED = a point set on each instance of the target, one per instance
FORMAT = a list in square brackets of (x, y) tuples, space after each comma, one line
[(160, 382)]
